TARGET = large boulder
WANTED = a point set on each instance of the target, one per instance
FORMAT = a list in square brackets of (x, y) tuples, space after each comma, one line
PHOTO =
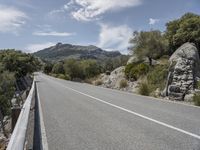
[(183, 73)]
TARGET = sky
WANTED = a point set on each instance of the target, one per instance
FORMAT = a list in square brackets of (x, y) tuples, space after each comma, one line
[(31, 25)]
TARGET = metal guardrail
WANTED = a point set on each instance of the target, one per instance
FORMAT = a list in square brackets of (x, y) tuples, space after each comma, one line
[(18, 137)]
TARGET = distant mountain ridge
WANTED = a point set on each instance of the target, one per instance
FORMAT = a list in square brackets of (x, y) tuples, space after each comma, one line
[(63, 51)]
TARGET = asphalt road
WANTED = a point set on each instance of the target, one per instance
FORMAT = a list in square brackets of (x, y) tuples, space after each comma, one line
[(79, 116)]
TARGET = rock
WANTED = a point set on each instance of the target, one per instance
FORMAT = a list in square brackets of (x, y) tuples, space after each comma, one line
[(134, 59), (183, 72), (113, 80), (157, 93), (176, 96), (189, 97), (174, 88), (189, 52), (3, 142)]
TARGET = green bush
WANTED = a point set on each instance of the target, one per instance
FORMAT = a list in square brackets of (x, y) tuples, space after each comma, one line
[(134, 71), (198, 85), (67, 77), (7, 88), (144, 89), (157, 76), (196, 99), (62, 76), (123, 83)]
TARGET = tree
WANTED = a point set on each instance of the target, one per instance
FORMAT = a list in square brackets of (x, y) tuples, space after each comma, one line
[(6, 91), (48, 68), (73, 68), (185, 29), (90, 68), (150, 44), (58, 68)]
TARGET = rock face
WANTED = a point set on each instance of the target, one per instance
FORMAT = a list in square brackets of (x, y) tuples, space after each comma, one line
[(134, 59), (183, 72), (113, 80)]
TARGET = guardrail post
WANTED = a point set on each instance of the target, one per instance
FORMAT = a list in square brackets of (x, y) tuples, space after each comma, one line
[(15, 111)]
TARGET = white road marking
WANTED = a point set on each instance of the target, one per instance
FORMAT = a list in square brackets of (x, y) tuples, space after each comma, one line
[(43, 132), (134, 113), (129, 93)]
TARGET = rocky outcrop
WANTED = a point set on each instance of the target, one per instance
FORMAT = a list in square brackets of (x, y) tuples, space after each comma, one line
[(134, 59), (113, 80), (183, 72)]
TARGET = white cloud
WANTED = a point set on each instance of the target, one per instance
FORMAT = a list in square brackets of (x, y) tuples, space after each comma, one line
[(62, 9), (35, 47), (92, 9), (153, 21), (11, 19), (114, 37), (52, 33)]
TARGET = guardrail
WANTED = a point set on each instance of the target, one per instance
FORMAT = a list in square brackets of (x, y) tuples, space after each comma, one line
[(18, 137)]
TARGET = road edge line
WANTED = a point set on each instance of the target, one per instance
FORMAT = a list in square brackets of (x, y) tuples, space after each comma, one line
[(131, 93), (137, 114)]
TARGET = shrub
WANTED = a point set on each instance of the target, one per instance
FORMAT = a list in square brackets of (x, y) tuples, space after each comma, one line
[(134, 71), (61, 76), (198, 85), (67, 77), (196, 99), (98, 82), (128, 69), (157, 76), (7, 82), (123, 83), (144, 89)]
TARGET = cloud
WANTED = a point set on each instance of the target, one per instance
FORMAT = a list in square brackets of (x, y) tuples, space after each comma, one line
[(153, 21), (91, 9), (115, 37), (63, 9), (35, 47), (11, 19), (52, 33)]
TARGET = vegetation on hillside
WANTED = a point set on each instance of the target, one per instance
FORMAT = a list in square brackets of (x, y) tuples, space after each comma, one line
[(13, 65), (66, 51), (82, 69), (185, 29)]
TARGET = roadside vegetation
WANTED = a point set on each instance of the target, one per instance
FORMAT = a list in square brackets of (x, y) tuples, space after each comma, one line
[(83, 69), (13, 65)]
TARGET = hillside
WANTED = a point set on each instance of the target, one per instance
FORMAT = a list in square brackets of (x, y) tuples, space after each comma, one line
[(62, 51)]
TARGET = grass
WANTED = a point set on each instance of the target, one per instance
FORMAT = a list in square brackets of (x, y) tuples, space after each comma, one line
[(98, 82), (198, 85), (144, 88), (123, 83), (157, 77), (196, 99)]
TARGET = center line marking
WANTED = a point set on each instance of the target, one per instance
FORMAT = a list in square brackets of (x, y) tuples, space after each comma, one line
[(134, 113)]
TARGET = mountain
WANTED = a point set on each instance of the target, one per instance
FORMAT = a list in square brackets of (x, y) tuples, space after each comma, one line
[(63, 51)]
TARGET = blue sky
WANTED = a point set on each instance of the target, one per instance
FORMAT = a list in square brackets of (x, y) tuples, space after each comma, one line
[(31, 25)]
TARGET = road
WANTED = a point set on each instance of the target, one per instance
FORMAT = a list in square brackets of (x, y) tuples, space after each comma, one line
[(79, 116)]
